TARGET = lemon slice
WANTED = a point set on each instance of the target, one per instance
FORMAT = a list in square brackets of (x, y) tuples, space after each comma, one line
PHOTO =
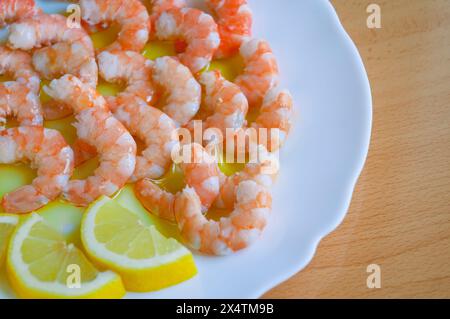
[(40, 264), (121, 240), (7, 225)]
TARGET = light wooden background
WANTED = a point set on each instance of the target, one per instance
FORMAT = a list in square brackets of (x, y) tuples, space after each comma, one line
[(400, 213)]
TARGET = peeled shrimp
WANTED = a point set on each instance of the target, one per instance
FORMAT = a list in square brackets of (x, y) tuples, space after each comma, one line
[(201, 172), (196, 28), (129, 69), (45, 30), (49, 153), (130, 107), (264, 171), (160, 6), (275, 115), (19, 97), (242, 228), (96, 124), (66, 51), (14, 10), (234, 19), (131, 15), (246, 193), (223, 102), (61, 59), (260, 73), (179, 92)]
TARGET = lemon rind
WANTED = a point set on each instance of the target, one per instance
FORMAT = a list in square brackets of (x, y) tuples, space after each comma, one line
[(9, 219)]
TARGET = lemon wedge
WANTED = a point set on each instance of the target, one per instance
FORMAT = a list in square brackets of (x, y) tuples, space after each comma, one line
[(7, 225), (125, 242), (41, 264)]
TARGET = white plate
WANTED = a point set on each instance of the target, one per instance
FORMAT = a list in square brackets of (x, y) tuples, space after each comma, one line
[(321, 161)]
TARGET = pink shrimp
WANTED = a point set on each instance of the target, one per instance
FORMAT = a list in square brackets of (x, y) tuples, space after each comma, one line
[(275, 116), (198, 31), (130, 107), (246, 193), (177, 90), (223, 102), (66, 51), (19, 97), (61, 59), (131, 15), (96, 124), (46, 30), (260, 73), (242, 228), (234, 19), (201, 172), (263, 170), (14, 10), (49, 153), (159, 6)]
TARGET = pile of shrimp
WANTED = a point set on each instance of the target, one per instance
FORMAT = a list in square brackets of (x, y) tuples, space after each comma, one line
[(160, 98)]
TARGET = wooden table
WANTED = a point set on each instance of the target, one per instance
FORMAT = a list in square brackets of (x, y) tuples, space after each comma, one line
[(400, 214)]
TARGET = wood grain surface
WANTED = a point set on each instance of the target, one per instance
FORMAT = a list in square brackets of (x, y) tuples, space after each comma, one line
[(400, 214)]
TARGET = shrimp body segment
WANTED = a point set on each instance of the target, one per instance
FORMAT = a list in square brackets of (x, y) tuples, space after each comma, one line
[(49, 153), (153, 127), (14, 10), (201, 173), (177, 90), (224, 103), (275, 116), (160, 6), (230, 234), (131, 15), (234, 19), (260, 73), (19, 97), (115, 146), (197, 29)]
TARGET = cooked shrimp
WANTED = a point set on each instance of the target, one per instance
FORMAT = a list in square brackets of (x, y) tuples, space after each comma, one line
[(177, 90), (131, 15), (67, 58), (275, 115), (19, 97), (242, 228), (223, 101), (130, 107), (45, 30), (131, 70), (263, 170), (14, 10), (201, 172), (260, 73), (196, 28), (66, 51), (234, 19), (60, 59), (159, 6), (49, 153), (96, 124)]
